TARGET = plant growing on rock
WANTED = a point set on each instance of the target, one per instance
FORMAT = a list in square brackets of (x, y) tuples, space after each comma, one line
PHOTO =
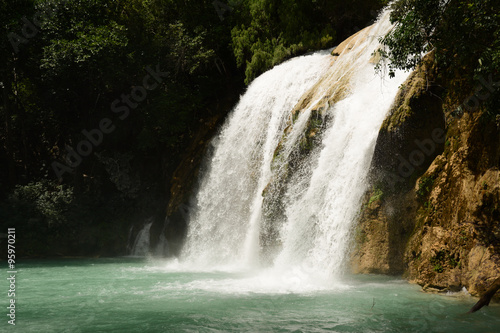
[(425, 186)]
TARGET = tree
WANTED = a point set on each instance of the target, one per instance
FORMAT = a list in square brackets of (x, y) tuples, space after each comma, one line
[(463, 33), (14, 120), (275, 30)]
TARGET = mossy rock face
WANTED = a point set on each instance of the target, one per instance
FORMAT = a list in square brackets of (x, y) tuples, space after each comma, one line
[(315, 126), (381, 235), (447, 208), (482, 157), (413, 134), (285, 167)]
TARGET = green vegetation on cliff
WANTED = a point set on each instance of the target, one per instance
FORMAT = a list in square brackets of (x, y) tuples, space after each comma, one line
[(274, 30), (464, 34)]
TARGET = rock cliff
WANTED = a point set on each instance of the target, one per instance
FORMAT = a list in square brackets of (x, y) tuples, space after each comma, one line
[(433, 211)]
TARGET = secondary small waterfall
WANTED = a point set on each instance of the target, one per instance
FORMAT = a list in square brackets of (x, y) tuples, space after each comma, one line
[(141, 243), (300, 139)]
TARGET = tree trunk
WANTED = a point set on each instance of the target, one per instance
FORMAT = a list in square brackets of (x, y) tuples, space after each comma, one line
[(487, 296)]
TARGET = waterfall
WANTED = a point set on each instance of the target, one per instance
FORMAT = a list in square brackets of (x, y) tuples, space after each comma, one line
[(300, 139), (141, 243), (223, 224)]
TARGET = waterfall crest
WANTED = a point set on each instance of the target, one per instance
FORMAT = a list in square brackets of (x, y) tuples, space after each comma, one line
[(288, 171)]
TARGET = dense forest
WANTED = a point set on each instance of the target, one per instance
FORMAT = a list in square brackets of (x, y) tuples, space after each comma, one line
[(101, 98)]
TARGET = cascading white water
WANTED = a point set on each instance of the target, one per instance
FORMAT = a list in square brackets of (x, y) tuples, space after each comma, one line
[(141, 243), (320, 205), (223, 226)]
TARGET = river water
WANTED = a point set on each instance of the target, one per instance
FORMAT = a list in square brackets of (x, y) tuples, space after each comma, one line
[(146, 295)]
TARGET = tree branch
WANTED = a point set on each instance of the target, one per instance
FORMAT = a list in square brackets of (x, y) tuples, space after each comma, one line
[(487, 296)]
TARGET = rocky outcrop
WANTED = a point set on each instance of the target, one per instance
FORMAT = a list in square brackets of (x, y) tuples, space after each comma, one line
[(407, 144), (413, 134), (382, 233), (433, 213), (183, 184), (457, 236)]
